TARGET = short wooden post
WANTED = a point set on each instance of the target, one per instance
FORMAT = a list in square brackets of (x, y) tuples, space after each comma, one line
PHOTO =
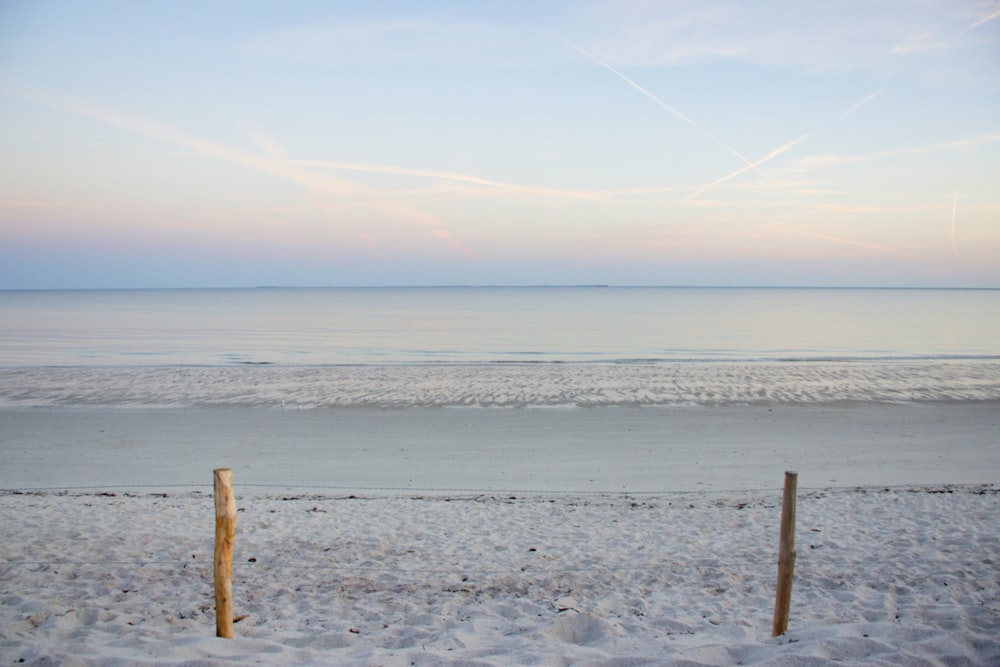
[(225, 534), (786, 555)]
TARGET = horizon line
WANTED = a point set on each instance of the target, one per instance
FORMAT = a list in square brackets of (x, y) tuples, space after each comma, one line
[(495, 286)]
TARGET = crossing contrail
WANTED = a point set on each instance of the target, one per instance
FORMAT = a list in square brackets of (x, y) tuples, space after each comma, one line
[(748, 164), (770, 156), (781, 149)]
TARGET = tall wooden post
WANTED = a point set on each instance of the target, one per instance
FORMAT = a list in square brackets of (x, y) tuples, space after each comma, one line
[(786, 555), (225, 534)]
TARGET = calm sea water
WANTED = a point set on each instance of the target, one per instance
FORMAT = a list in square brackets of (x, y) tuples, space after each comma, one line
[(497, 346), (484, 325)]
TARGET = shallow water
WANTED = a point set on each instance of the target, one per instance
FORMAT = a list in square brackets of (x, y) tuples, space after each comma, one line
[(497, 347), (490, 325)]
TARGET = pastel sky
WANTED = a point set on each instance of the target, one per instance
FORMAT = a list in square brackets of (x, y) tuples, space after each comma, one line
[(629, 142)]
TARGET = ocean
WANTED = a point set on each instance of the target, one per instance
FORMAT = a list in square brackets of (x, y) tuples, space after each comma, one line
[(496, 346)]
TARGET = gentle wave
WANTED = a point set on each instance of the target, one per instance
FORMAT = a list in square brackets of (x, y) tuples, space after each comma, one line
[(504, 385)]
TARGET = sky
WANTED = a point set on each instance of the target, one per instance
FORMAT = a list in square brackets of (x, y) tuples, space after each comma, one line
[(625, 142)]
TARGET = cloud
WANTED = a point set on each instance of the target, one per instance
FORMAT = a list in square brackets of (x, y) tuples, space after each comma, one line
[(939, 39), (448, 176), (333, 193), (168, 134), (843, 241), (814, 161), (836, 35), (331, 190), (276, 163), (265, 142), (920, 44)]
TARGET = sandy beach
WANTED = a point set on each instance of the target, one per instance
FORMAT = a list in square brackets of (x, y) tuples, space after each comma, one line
[(509, 321), (555, 450), (497, 537)]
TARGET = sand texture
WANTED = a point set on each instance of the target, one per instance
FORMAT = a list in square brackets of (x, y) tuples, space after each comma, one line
[(444, 536), (888, 577), (505, 385)]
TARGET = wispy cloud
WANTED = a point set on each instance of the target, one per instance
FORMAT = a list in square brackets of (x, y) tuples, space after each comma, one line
[(330, 189), (276, 161), (927, 42), (166, 133), (332, 192), (448, 176), (957, 144), (834, 35), (843, 241), (936, 39), (267, 143), (437, 227)]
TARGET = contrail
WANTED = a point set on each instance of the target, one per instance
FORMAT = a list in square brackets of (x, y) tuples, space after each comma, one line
[(985, 19), (636, 86), (781, 149), (770, 156), (861, 103), (954, 211), (666, 106)]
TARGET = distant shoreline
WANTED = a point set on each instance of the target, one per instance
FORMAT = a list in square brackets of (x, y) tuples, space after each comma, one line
[(503, 286)]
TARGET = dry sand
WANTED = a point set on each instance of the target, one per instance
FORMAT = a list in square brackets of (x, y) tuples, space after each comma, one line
[(354, 547)]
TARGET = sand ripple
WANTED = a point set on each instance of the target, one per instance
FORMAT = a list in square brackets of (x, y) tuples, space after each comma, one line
[(505, 385)]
